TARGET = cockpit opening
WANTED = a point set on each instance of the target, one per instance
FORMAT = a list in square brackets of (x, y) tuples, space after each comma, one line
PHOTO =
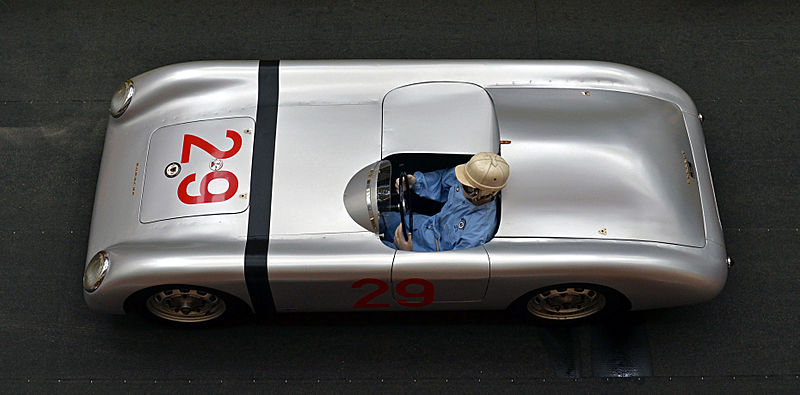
[(429, 202)]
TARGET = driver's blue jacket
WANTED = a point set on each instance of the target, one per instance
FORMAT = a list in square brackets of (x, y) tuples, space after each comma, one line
[(460, 224)]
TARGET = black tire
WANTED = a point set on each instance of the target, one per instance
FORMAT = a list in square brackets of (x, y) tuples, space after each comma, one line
[(568, 304), (185, 304)]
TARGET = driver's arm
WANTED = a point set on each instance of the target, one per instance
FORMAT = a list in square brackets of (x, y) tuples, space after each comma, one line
[(435, 185)]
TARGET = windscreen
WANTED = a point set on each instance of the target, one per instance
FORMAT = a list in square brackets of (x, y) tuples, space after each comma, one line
[(368, 194), (384, 187)]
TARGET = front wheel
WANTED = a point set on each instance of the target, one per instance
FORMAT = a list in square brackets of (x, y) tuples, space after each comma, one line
[(569, 303), (185, 304)]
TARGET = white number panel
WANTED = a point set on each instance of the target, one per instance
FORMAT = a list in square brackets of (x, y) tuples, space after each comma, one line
[(198, 168)]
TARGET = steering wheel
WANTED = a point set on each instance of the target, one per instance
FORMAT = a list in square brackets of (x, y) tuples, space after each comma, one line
[(405, 206)]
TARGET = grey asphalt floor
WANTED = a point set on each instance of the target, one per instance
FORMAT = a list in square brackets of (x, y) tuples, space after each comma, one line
[(61, 61)]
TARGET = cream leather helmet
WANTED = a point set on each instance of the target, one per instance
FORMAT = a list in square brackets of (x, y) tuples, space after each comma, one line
[(486, 173)]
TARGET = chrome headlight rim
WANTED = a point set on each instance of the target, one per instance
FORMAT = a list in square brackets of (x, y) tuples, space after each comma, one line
[(98, 268), (121, 99)]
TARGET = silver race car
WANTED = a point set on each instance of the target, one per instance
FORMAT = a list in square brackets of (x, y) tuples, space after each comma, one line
[(232, 186)]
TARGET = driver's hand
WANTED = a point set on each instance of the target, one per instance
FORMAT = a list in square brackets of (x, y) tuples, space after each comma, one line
[(411, 181), (400, 242)]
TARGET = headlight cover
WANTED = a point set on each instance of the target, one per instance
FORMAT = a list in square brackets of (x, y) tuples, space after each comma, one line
[(96, 271), (121, 99)]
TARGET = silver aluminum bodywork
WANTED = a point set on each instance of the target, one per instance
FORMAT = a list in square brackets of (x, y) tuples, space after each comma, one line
[(610, 183)]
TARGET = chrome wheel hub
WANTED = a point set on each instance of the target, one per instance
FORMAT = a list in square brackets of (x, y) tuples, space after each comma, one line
[(567, 303), (185, 305)]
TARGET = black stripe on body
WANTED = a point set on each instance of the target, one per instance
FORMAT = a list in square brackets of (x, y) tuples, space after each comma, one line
[(255, 259)]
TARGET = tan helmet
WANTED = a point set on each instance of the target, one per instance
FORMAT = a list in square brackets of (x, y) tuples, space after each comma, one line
[(485, 170)]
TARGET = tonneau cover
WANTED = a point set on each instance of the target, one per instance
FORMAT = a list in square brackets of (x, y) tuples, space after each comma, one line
[(597, 164)]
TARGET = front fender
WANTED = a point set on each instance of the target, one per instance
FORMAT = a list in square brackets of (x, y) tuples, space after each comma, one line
[(136, 266)]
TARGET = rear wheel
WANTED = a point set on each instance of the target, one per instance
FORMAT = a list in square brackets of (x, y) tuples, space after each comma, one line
[(569, 303)]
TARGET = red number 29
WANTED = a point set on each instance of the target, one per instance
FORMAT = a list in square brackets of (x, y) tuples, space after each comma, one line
[(427, 293), (205, 195)]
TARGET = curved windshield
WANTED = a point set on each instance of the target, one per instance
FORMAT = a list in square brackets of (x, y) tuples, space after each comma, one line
[(369, 193), (383, 195)]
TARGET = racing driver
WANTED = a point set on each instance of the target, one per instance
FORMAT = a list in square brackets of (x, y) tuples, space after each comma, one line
[(469, 215)]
